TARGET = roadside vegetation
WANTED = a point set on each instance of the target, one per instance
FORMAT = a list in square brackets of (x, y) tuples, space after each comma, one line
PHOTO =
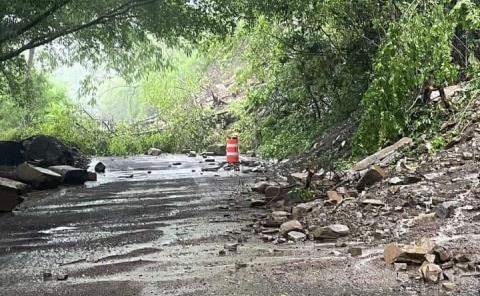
[(301, 67)]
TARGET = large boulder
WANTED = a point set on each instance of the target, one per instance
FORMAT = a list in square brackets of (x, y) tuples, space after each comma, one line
[(38, 178), (9, 194), (49, 151), (218, 149), (11, 153), (70, 174)]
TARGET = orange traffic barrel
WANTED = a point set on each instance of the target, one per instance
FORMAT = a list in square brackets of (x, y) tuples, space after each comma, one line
[(233, 153)]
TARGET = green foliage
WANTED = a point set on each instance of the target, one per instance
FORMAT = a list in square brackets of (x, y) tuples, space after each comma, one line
[(417, 50)]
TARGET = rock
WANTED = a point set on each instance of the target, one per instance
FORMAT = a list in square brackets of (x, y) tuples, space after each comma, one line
[(38, 178), (70, 174), (413, 253), (192, 154), (62, 276), (296, 236), (280, 216), (371, 177), (448, 286), (49, 151), (461, 259), (446, 209), (210, 160), (9, 194), (292, 225), (11, 153), (258, 203), (373, 202), (404, 180), (218, 149), (100, 167), (447, 265), (334, 197), (333, 231), (272, 191), (211, 169), (430, 258), (355, 251), (12, 186), (260, 187), (467, 156), (431, 272), (442, 254), (449, 275), (232, 247), (380, 155), (154, 152), (302, 209), (240, 265), (400, 266), (91, 176), (298, 178), (222, 253)]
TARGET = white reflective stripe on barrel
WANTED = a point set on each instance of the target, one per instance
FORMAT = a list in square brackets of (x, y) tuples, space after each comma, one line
[(233, 154), (232, 145)]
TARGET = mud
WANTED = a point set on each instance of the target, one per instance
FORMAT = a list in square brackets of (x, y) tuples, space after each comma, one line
[(160, 233)]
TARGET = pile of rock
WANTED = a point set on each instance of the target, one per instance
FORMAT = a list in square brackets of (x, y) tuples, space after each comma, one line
[(433, 263), (49, 165)]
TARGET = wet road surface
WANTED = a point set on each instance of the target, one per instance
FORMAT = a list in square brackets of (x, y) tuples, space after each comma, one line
[(159, 232)]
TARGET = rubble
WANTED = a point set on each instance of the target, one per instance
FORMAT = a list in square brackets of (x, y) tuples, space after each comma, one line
[(38, 178)]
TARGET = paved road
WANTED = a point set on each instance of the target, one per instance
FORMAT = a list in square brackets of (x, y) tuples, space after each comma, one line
[(160, 233)]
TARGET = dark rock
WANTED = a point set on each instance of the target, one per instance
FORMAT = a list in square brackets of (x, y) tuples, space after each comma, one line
[(272, 191), (371, 177), (92, 176), (49, 151), (38, 178), (100, 167), (70, 174), (11, 153)]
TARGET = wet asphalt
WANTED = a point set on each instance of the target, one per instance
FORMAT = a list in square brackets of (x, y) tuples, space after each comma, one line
[(156, 226)]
